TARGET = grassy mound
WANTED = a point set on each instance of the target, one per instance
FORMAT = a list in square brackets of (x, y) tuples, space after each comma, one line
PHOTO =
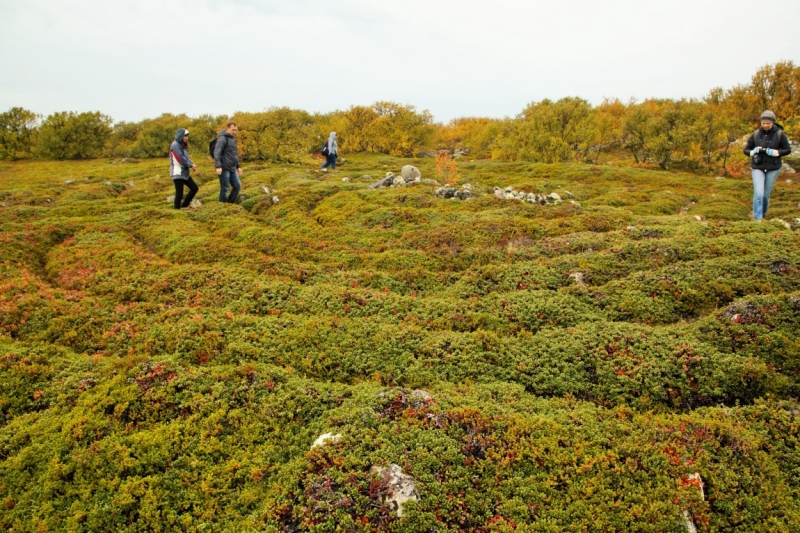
[(533, 368)]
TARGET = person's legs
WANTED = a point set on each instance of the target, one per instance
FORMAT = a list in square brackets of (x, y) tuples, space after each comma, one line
[(759, 179), (193, 188), (333, 161), (769, 183), (178, 193), (224, 182), (327, 161), (236, 186)]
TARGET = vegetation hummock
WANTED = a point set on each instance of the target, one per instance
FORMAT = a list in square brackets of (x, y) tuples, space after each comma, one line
[(533, 368)]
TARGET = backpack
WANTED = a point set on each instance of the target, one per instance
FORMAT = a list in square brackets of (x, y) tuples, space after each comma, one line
[(324, 149), (212, 147)]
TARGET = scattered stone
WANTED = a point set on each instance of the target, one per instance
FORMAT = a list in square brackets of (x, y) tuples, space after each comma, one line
[(578, 277), (128, 160), (719, 178), (410, 173), (366, 177), (275, 200), (787, 169), (782, 223), (195, 204), (326, 437), (401, 488), (449, 191), (686, 518), (699, 217), (570, 194), (555, 197), (419, 394), (265, 189), (69, 182), (170, 199), (429, 181), (788, 181), (131, 184), (398, 181), (345, 180), (631, 228), (381, 183)]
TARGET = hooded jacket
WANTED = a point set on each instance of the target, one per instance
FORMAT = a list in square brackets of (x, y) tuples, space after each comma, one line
[(333, 148), (769, 139), (179, 162), (226, 152)]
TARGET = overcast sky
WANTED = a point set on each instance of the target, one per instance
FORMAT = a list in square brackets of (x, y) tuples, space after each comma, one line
[(134, 59)]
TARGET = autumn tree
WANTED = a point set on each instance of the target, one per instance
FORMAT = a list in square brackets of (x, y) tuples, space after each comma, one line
[(18, 128), (278, 134)]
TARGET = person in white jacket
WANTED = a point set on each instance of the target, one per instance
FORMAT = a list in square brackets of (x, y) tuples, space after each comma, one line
[(331, 151), (179, 166)]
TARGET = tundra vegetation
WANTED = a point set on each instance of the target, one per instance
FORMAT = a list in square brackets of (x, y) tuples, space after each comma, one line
[(533, 368)]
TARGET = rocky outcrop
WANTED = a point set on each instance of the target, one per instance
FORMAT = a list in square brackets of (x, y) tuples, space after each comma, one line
[(450, 191), (542, 199), (398, 488)]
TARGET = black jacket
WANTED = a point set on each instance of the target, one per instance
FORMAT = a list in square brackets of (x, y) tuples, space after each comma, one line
[(226, 153), (769, 139)]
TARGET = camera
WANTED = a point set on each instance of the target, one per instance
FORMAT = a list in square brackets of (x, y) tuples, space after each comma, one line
[(759, 156)]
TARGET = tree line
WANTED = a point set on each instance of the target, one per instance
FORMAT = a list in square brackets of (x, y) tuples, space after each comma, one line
[(697, 133)]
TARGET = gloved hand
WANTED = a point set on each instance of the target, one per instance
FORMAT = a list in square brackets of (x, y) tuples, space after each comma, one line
[(755, 150), (773, 153)]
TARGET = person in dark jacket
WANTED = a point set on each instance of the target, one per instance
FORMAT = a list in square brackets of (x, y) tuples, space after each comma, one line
[(766, 146), (331, 153), (179, 166), (226, 161)]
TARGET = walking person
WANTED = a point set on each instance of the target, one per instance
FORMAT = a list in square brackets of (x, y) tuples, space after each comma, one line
[(179, 166), (226, 161), (766, 146), (331, 151)]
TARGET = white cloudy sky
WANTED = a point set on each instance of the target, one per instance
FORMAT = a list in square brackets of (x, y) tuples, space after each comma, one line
[(133, 59)]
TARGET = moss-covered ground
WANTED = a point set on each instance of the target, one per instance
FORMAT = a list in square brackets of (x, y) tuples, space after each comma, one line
[(166, 370)]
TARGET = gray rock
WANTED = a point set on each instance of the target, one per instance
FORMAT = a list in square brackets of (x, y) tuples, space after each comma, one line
[(345, 179), (324, 438), (385, 182), (429, 181), (410, 172), (69, 182), (401, 487), (265, 189), (555, 197), (398, 181), (446, 192), (786, 169)]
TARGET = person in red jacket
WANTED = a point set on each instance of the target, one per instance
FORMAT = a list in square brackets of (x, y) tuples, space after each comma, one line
[(766, 146)]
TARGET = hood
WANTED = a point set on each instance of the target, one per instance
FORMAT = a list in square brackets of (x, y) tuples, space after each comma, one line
[(332, 135), (179, 134)]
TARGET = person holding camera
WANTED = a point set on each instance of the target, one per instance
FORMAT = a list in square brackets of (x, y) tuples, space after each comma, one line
[(765, 146)]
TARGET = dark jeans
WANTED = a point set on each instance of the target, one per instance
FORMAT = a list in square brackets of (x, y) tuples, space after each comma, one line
[(229, 177), (179, 192), (330, 159)]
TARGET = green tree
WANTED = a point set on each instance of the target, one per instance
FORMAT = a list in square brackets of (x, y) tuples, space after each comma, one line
[(68, 135), (18, 128), (552, 132)]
